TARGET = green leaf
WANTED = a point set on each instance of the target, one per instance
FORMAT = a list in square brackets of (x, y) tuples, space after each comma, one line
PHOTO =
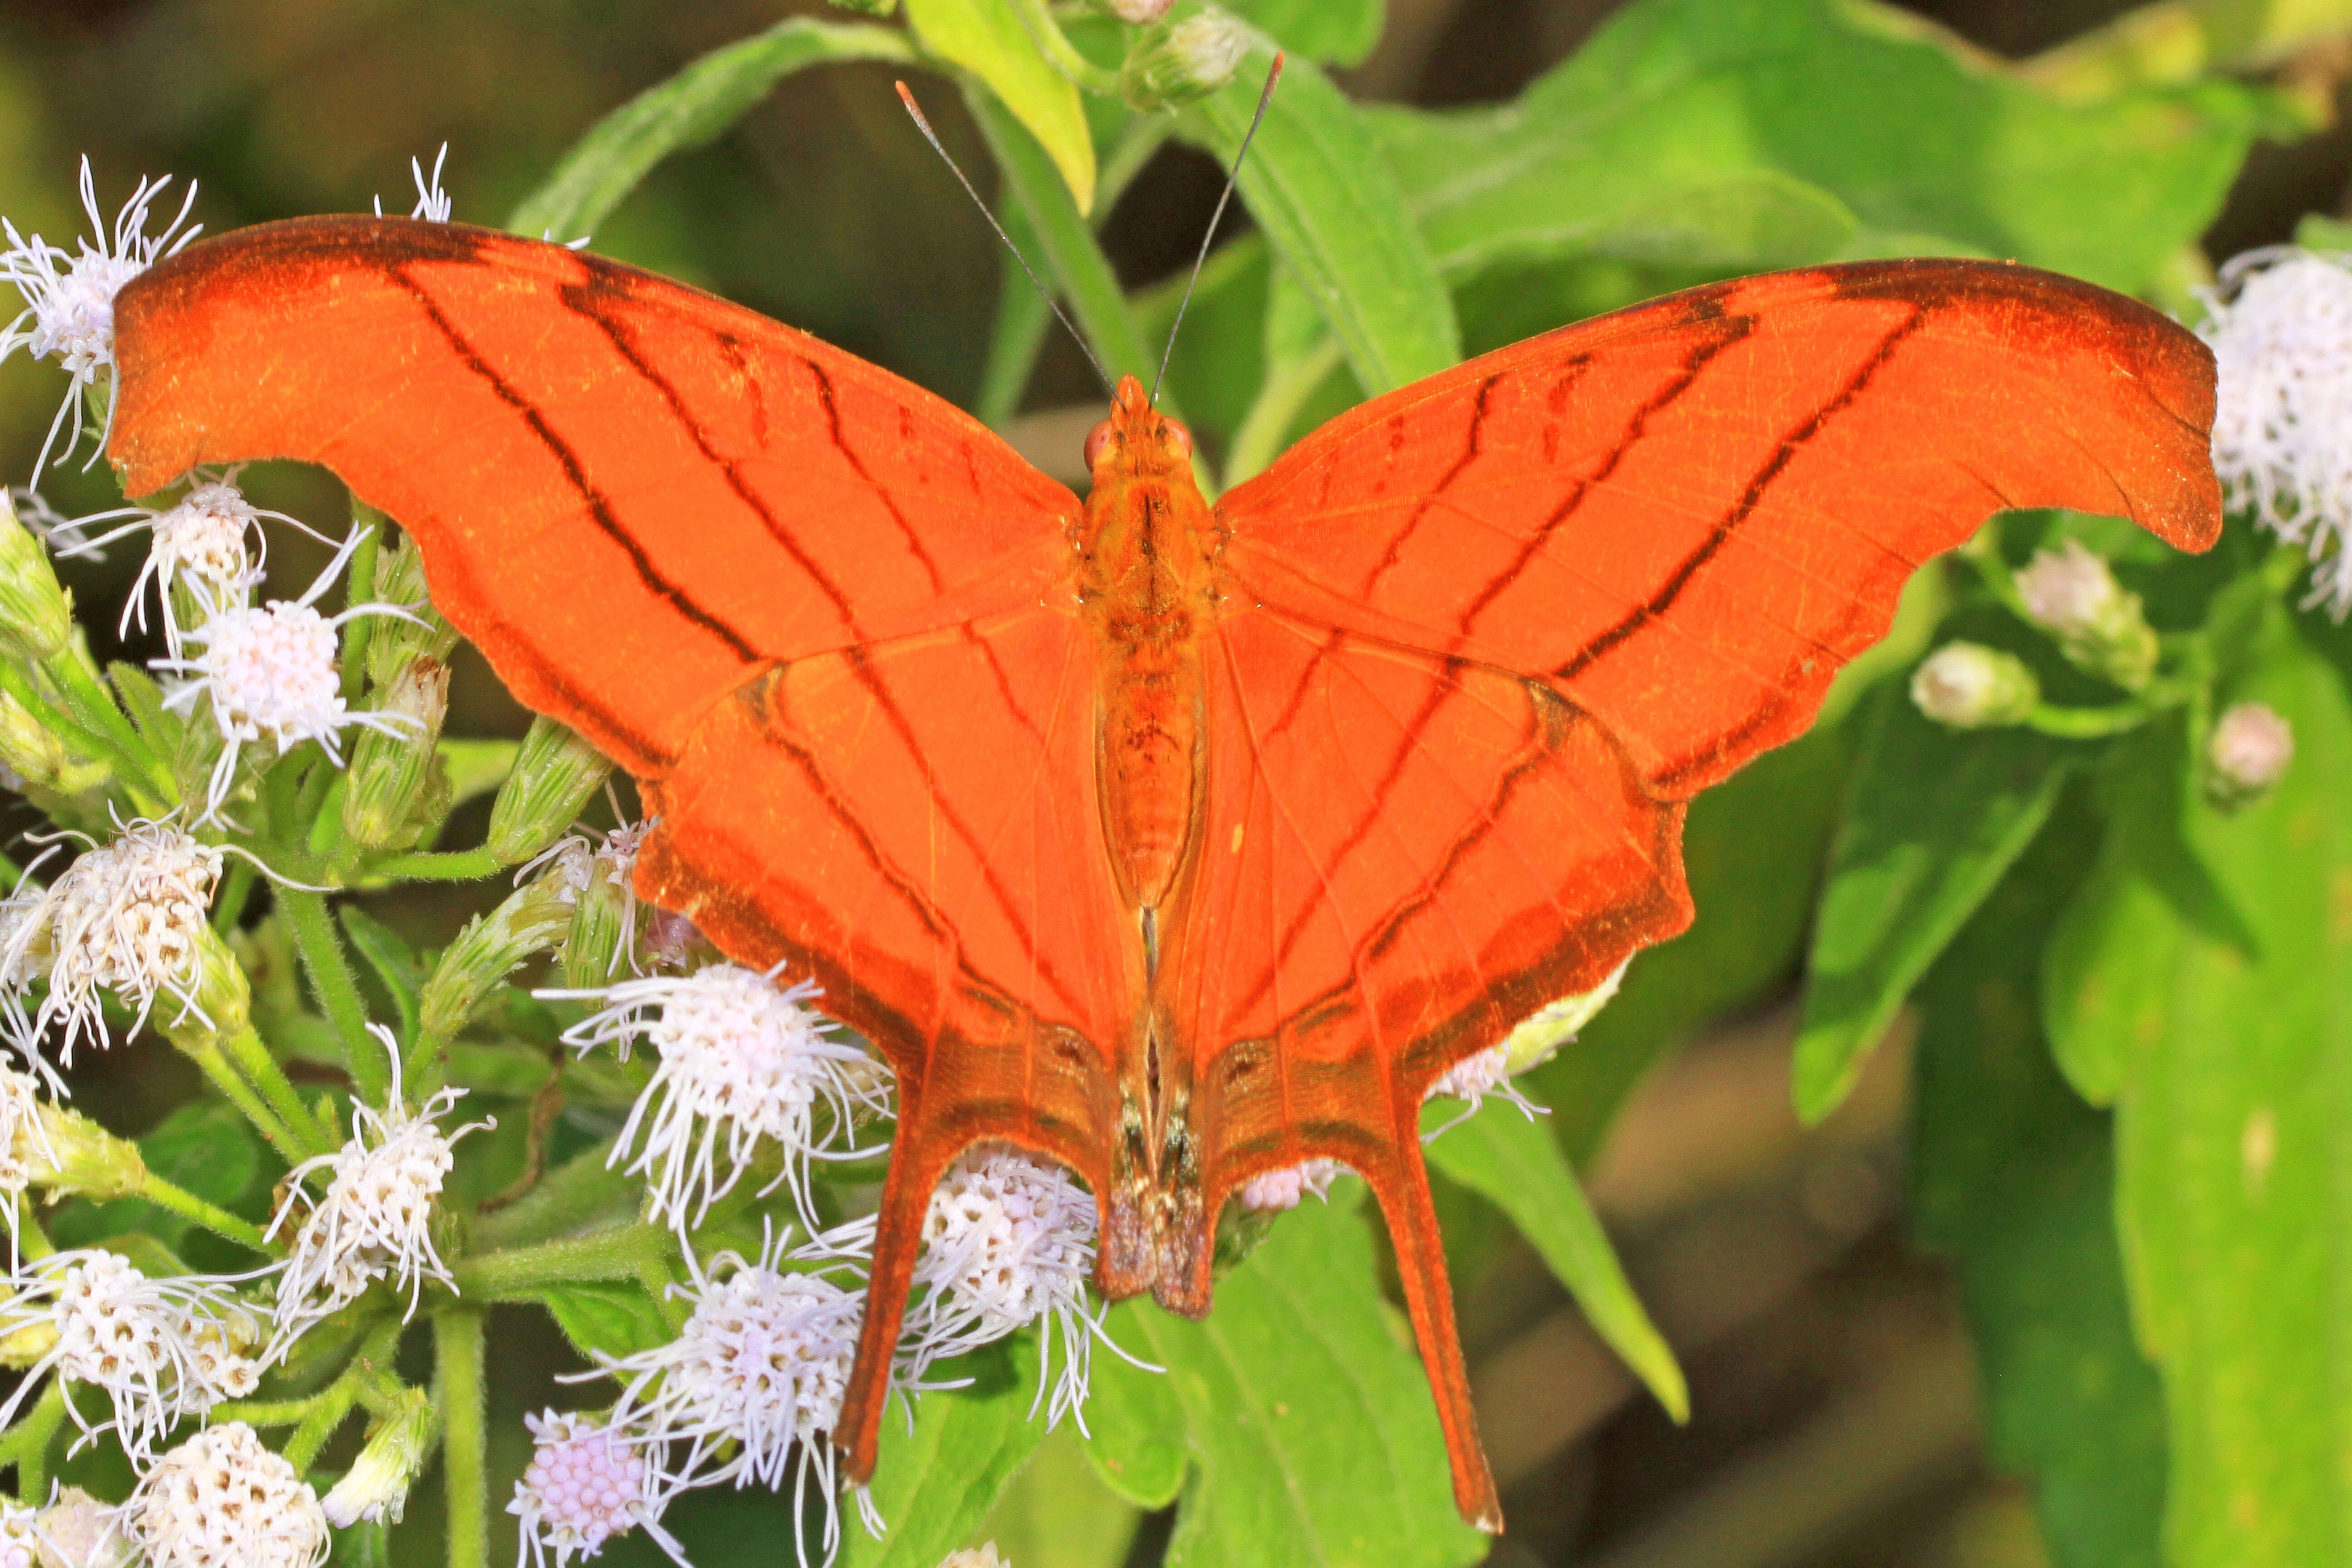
[(2013, 1178), (475, 767), (934, 1486), (205, 1147), (1059, 1514), (1137, 1420), (1306, 1420), (1337, 32), (1935, 817), (1512, 1161), (692, 108), (2234, 1156), (986, 39), (1316, 184), (1684, 113), (609, 1317), (394, 962)]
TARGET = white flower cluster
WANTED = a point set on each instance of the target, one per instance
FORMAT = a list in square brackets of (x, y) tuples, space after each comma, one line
[(2281, 330), (377, 1217), (209, 545), (221, 1499), (744, 1068), (270, 673), (68, 312), (127, 917), (158, 1350)]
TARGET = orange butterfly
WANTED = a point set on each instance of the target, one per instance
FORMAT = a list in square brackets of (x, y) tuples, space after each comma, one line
[(1180, 841)]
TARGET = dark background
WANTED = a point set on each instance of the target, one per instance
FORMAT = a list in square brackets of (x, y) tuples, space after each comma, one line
[(1836, 1419)]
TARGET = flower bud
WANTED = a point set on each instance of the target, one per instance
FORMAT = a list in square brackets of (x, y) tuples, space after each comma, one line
[(1171, 64), (552, 779), (2248, 752), (376, 1486), (77, 1531), (22, 1343), (1141, 13), (2072, 595), (1554, 1025), (36, 755), (400, 582), (35, 614), (1970, 687), (222, 1004), (72, 1156), (390, 767), (535, 917), (604, 914)]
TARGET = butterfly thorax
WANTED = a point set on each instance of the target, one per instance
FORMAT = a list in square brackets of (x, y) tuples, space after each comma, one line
[(1144, 582)]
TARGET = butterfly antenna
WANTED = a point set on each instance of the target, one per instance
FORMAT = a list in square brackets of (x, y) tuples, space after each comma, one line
[(932, 136), (1198, 261)]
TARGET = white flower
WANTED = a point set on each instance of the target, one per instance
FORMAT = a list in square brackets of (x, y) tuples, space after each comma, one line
[(1472, 1079), (587, 1483), (127, 917), (1008, 1239), (222, 1501), (24, 1144), (982, 1556), (2249, 750), (1968, 686), (1271, 1192), (69, 297), (754, 1379), (158, 1349), (77, 1531), (740, 1061), (433, 202), (2066, 591), (578, 861), (375, 1488), (20, 1535), (199, 545), (62, 534), (376, 1218), (2281, 331), (270, 673)]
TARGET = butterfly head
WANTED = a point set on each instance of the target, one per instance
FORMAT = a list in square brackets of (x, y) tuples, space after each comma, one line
[(1136, 439)]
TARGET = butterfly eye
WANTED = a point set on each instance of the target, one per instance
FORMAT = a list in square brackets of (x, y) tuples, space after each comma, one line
[(1179, 439), (1096, 440)]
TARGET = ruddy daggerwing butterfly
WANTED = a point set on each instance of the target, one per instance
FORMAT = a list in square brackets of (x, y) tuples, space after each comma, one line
[(1179, 841)]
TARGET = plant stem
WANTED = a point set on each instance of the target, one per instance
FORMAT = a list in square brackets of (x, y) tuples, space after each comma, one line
[(337, 987), (517, 1272), (261, 1070), (230, 1082), (2087, 724), (95, 707), (229, 908), (433, 866), (327, 1411), (1060, 53), (219, 1221), (583, 1189), (458, 1395), (26, 1444)]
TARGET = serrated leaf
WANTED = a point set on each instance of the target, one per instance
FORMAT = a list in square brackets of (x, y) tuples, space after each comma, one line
[(1672, 103), (1514, 1163), (608, 1317), (1935, 817), (2014, 1179), (986, 39), (935, 1485), (2233, 1156), (1306, 1420), (1337, 32), (688, 110), (394, 962), (1318, 186)]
